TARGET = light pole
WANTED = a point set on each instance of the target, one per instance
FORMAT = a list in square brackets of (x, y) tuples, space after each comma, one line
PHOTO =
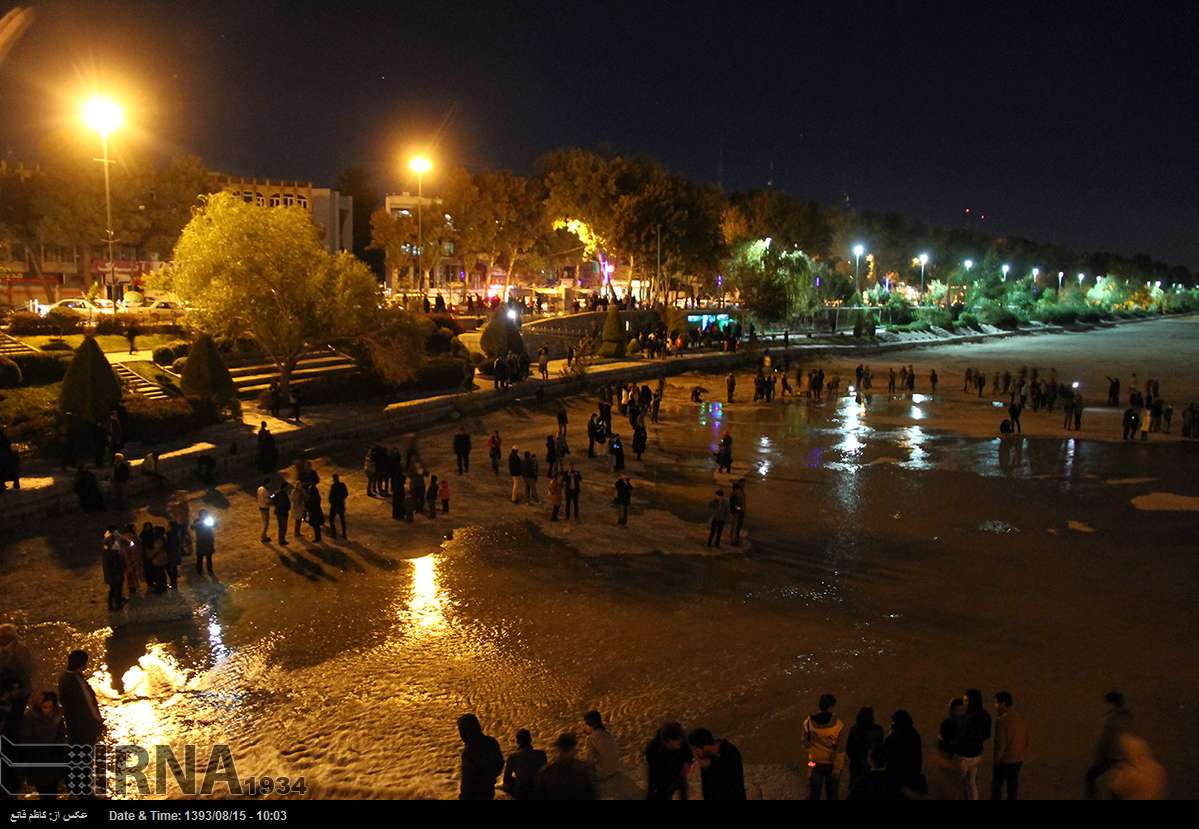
[(858, 250), (1005, 270), (104, 115), (420, 165), (923, 262), (1060, 276)]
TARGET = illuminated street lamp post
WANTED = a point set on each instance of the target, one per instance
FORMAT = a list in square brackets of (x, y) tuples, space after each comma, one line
[(104, 115), (1081, 277), (1005, 270), (858, 250), (1060, 276), (923, 262), (420, 165)]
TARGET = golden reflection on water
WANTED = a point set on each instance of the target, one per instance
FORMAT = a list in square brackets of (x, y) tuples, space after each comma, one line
[(155, 683), (426, 605)]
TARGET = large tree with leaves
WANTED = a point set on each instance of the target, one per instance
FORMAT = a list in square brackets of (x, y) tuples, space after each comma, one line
[(263, 271)]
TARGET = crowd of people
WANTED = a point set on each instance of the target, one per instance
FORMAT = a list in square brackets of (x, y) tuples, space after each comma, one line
[(876, 763)]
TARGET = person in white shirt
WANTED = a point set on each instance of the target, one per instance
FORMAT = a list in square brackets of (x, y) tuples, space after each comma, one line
[(264, 507), (600, 752)]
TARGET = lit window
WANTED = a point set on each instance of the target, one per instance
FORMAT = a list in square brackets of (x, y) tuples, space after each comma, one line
[(288, 199), (275, 200), (248, 197), (302, 201), (259, 199)]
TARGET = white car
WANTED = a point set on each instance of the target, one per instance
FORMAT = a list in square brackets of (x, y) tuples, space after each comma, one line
[(163, 309), (105, 306), (78, 305)]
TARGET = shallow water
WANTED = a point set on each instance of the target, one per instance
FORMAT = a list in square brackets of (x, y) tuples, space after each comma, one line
[(891, 565)]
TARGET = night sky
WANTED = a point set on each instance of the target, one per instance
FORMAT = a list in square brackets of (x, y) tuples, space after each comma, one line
[(1063, 122)]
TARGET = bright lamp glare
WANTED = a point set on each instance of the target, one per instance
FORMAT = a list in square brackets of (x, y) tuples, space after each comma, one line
[(969, 263), (102, 114), (512, 314), (858, 250), (420, 164), (924, 259)]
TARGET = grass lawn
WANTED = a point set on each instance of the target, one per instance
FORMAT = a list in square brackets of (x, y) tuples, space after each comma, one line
[(108, 342), (27, 402)]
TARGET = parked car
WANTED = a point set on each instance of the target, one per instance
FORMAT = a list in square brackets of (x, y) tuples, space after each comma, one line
[(105, 306), (85, 308), (162, 310)]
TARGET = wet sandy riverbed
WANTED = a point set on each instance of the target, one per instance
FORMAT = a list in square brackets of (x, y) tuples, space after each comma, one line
[(890, 562)]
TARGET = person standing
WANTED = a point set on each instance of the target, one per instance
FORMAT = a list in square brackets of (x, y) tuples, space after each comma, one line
[(565, 778), (640, 438), (85, 723), (281, 500), (616, 451), (133, 559), (624, 497), (1011, 746), (737, 510), (370, 470), (174, 548), (572, 485), (462, 450), (932, 380), (530, 473), (555, 491), (905, 753), (973, 731), (338, 493), (718, 515), (44, 733), (593, 434), (495, 451), (865, 736), (730, 385), (266, 453), (264, 509), (1014, 411), (722, 775), (113, 564), (520, 771), (667, 759), (1117, 721), (825, 736), (601, 755), (516, 471), (482, 761), (205, 541), (724, 454), (299, 505), (120, 479), (1078, 407), (16, 666)]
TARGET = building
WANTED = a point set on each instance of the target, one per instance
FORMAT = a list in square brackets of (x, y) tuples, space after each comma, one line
[(447, 271), (328, 208)]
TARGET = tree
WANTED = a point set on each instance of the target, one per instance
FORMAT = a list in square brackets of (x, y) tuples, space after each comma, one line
[(615, 341), (394, 348), (263, 271), (205, 373), (356, 183), (775, 284), (90, 390), (501, 336)]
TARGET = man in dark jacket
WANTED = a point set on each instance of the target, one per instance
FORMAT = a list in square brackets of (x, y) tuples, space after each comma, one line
[(482, 761), (462, 450), (667, 758), (520, 772), (338, 493), (721, 773), (85, 723), (973, 730), (205, 541), (565, 778)]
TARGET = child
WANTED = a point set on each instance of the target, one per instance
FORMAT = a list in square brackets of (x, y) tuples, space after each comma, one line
[(443, 492)]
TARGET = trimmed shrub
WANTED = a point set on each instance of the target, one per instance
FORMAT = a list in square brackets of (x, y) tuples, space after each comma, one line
[(164, 355), (60, 322), (180, 348), (89, 389), (118, 324), (501, 336), (338, 388), (205, 374), (1001, 318), (439, 374), (10, 374), (613, 343), (58, 345), (159, 420), (968, 320), (447, 321), (42, 369), (178, 366)]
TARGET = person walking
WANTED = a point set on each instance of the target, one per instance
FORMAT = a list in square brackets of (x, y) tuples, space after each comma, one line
[(718, 515), (281, 500), (722, 774), (482, 761), (737, 510), (551, 456), (264, 508), (495, 451), (462, 450), (1011, 745), (667, 760), (973, 731), (516, 471), (521, 768), (204, 528), (624, 497), (825, 737), (572, 485), (338, 493)]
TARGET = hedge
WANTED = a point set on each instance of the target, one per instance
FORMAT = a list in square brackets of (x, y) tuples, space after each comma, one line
[(160, 420), (164, 355), (440, 374), (42, 369), (10, 374), (58, 345), (180, 348), (27, 323)]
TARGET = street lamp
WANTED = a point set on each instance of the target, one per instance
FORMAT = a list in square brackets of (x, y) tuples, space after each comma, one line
[(1081, 277), (858, 250), (1060, 276), (105, 115), (420, 165), (1005, 270), (923, 262)]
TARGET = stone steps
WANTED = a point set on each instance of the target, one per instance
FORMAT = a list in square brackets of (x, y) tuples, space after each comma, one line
[(10, 345), (134, 383)]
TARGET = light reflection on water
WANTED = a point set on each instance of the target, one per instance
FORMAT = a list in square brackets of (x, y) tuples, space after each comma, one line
[(426, 606)]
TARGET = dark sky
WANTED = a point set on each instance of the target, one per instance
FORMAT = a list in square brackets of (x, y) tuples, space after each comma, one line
[(1074, 123)]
